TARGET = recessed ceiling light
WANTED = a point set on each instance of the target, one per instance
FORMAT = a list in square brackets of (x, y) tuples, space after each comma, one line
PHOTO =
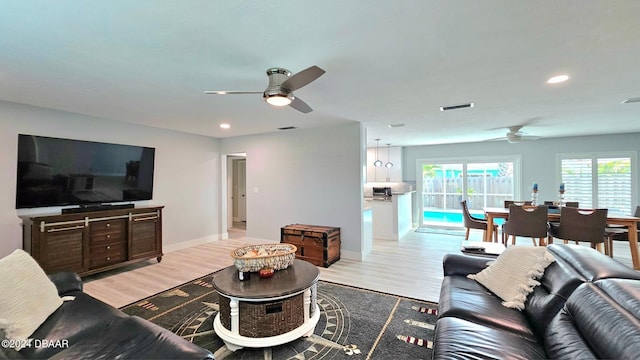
[(558, 79), (225, 126)]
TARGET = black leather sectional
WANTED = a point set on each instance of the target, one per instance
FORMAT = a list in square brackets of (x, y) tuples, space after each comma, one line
[(587, 307), (87, 328)]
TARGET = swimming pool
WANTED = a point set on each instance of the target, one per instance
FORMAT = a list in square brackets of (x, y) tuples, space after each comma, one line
[(435, 216), (448, 217)]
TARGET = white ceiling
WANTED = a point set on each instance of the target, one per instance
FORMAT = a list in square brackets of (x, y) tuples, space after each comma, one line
[(386, 62)]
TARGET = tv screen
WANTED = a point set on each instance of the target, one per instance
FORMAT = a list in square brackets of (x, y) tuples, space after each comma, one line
[(58, 172)]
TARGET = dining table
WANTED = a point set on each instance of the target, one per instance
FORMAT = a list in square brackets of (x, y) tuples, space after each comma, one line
[(630, 222)]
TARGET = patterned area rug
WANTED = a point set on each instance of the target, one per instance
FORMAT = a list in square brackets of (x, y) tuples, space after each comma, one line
[(354, 324)]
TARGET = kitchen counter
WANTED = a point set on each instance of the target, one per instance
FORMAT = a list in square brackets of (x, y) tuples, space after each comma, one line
[(391, 218)]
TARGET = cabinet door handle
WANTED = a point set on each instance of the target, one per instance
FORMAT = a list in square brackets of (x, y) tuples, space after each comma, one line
[(108, 247), (66, 228), (108, 225), (108, 258), (108, 236), (145, 218)]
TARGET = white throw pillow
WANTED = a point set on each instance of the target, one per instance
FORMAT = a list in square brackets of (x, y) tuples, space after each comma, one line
[(27, 296), (513, 275)]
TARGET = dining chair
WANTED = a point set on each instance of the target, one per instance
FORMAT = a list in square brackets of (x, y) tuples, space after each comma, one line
[(526, 220), (619, 233), (573, 204), (578, 225), (567, 204), (516, 202), (471, 222)]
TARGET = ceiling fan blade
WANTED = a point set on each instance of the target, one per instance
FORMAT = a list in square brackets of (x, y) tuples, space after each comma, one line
[(497, 139), (302, 78), (515, 129), (300, 106), (222, 92)]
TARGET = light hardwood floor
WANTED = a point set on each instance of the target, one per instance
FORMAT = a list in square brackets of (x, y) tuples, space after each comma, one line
[(411, 267)]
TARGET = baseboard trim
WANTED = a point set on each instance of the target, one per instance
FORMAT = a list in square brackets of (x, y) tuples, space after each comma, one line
[(194, 242), (352, 255)]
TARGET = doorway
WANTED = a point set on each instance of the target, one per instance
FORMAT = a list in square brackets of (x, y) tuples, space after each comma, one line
[(237, 202)]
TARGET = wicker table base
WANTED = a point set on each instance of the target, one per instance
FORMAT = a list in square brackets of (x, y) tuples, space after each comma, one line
[(266, 312)]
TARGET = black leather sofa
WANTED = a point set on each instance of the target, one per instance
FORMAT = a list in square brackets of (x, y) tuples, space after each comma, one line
[(87, 328), (587, 307)]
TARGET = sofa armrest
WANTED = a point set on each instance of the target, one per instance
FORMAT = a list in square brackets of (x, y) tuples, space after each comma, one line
[(66, 282), (457, 264)]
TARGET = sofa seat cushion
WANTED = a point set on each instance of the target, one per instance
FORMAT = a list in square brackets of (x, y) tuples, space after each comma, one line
[(74, 320), (464, 298), (27, 296), (461, 339), (133, 338), (599, 321)]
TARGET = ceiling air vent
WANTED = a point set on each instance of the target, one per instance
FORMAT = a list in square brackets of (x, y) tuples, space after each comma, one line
[(631, 100), (287, 128), (455, 107)]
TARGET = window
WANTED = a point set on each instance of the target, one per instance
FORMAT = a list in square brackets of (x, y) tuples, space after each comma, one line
[(483, 182), (599, 180)]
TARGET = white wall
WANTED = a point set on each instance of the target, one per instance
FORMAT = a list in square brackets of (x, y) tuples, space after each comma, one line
[(307, 176), (538, 156), (186, 179)]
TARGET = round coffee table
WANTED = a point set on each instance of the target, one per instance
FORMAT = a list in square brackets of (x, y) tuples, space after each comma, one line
[(263, 312)]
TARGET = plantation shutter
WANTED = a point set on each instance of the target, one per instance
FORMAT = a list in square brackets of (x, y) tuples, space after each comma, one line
[(577, 176), (599, 182), (614, 185)]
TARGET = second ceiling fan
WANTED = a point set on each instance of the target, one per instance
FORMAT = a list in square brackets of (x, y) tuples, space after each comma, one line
[(515, 135), (281, 86)]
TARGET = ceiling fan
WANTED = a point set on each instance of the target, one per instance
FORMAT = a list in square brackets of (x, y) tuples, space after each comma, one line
[(514, 135), (281, 87)]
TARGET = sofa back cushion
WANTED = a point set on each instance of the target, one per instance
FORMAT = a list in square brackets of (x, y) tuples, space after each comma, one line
[(600, 320), (557, 284), (591, 264), (574, 265)]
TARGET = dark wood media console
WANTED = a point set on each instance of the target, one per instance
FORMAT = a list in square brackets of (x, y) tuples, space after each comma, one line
[(92, 242)]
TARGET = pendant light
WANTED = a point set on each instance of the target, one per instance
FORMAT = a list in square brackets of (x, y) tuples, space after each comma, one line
[(389, 164), (377, 163)]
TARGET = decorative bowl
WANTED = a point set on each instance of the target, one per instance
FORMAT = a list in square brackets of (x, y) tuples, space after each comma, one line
[(255, 257), (266, 272)]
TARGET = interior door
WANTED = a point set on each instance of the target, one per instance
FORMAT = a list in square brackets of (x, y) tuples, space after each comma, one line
[(242, 190)]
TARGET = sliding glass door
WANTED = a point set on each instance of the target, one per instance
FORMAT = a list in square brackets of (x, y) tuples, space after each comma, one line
[(482, 182)]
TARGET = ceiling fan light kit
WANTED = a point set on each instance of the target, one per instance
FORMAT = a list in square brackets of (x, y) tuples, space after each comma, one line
[(277, 99), (514, 138)]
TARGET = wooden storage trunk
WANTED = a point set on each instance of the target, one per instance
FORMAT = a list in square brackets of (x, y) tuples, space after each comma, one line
[(319, 245)]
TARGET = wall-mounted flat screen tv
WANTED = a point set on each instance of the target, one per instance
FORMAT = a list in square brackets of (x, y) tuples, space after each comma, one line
[(59, 172)]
